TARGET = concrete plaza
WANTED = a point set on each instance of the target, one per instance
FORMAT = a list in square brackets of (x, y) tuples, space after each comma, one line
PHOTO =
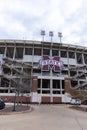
[(45, 117)]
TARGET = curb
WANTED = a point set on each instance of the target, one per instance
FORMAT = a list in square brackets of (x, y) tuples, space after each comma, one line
[(15, 112)]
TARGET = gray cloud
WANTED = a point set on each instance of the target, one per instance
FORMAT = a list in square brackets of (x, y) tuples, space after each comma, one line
[(26, 18)]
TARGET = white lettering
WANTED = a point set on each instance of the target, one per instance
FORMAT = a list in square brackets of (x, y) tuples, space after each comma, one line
[(51, 63)]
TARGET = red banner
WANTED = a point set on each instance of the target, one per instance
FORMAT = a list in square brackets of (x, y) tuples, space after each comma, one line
[(47, 63)]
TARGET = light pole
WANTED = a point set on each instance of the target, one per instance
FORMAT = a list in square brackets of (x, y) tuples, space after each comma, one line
[(60, 36), (51, 35), (42, 34)]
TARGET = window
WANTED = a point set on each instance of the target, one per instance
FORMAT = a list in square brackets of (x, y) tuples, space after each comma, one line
[(10, 52), (37, 51), (63, 92), (19, 53), (64, 72), (55, 53), (45, 83), (56, 92), (45, 91), (74, 83), (39, 83), (56, 84), (39, 91), (2, 50), (36, 71), (79, 58), (73, 73), (71, 54), (46, 52), (63, 54), (85, 58), (63, 87), (28, 51)]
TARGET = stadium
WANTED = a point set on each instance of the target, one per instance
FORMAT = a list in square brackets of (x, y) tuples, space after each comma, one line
[(41, 71)]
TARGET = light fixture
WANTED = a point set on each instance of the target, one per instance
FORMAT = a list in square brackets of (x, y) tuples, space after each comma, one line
[(51, 34), (60, 36), (42, 34)]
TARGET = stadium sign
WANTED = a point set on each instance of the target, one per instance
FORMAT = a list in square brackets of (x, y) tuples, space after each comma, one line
[(46, 63)]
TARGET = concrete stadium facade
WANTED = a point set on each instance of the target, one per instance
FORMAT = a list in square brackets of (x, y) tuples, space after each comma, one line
[(43, 71)]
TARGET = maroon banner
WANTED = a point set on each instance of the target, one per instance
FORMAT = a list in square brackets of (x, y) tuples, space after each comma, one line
[(47, 63)]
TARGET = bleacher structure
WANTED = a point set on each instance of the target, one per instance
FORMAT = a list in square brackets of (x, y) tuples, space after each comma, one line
[(34, 69)]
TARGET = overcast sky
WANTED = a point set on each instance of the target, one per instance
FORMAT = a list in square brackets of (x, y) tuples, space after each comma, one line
[(24, 19)]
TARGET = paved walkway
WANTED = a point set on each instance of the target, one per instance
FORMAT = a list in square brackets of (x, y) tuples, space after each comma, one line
[(45, 117)]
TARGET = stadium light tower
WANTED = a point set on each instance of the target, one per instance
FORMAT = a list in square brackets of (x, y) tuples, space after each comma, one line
[(42, 34), (60, 36), (51, 35)]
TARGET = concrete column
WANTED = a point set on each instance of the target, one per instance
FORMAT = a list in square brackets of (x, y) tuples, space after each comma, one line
[(83, 58), (76, 58), (5, 51), (14, 53), (41, 87), (51, 90), (60, 86), (9, 86)]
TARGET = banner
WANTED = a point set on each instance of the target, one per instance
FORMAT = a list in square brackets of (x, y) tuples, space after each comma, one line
[(46, 63)]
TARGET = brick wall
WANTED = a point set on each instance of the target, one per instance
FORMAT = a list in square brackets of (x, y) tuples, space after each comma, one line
[(45, 99), (18, 99), (57, 100), (34, 84), (67, 85)]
